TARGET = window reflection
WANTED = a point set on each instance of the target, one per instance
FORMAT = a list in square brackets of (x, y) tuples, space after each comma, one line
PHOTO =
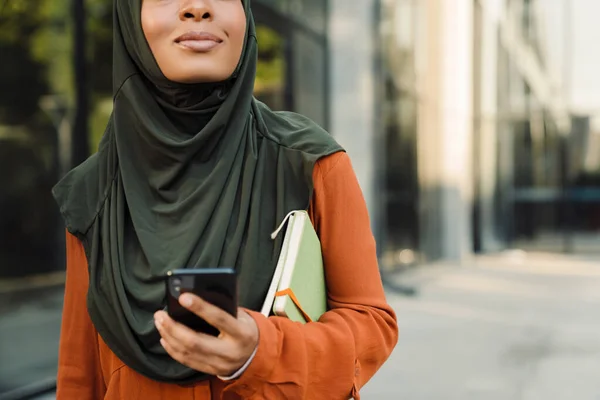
[(35, 70), (270, 71), (309, 78), (401, 228), (549, 197)]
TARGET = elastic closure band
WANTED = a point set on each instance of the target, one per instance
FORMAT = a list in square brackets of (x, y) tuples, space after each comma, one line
[(289, 292)]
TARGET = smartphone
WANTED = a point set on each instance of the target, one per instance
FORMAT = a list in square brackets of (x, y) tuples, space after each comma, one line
[(217, 286)]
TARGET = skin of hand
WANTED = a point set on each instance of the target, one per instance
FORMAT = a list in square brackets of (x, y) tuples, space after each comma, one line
[(219, 356)]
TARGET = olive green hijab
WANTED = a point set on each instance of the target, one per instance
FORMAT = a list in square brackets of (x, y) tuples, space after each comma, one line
[(186, 176)]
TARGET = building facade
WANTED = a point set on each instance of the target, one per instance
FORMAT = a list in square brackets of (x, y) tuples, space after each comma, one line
[(477, 133)]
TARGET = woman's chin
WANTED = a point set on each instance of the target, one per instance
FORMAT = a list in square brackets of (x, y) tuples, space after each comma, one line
[(192, 77)]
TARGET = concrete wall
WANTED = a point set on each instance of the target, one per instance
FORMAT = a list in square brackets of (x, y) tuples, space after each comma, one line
[(445, 149), (445, 44)]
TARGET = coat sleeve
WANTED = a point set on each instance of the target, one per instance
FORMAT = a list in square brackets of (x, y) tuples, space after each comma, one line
[(79, 373), (334, 357)]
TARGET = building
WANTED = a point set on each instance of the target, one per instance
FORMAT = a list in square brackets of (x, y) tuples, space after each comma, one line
[(475, 126), (452, 111)]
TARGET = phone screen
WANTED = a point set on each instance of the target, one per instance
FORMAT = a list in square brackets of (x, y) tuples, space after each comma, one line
[(217, 286)]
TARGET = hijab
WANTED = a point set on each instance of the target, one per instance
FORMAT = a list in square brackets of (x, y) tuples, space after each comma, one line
[(186, 176)]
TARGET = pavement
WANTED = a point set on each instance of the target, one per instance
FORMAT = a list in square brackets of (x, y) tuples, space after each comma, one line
[(506, 327), (29, 334), (513, 326)]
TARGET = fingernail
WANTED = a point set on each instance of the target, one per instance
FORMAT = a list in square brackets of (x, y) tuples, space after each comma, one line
[(185, 300), (158, 321)]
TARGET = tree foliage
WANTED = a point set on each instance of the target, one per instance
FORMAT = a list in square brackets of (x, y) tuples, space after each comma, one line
[(36, 50)]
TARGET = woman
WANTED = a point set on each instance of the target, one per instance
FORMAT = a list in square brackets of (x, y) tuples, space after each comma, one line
[(193, 172)]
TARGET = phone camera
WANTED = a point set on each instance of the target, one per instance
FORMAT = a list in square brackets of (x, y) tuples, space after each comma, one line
[(177, 285)]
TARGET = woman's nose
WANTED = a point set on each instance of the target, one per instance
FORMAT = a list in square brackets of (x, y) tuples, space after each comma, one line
[(196, 10)]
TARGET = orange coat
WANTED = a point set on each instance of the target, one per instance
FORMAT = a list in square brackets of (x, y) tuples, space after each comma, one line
[(329, 359)]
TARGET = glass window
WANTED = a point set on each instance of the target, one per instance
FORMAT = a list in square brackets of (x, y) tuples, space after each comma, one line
[(297, 58), (582, 170), (35, 97), (537, 200), (281, 6), (309, 78), (311, 14), (270, 85), (399, 113), (100, 19), (544, 197)]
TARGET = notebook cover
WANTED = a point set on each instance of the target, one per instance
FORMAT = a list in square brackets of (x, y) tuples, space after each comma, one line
[(303, 273)]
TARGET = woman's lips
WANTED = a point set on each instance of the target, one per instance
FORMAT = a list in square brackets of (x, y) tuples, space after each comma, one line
[(200, 42)]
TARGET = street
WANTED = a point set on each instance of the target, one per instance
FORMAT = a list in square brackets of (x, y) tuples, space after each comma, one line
[(29, 332), (505, 327)]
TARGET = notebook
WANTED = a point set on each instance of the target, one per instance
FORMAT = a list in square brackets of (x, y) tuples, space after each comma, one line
[(298, 289)]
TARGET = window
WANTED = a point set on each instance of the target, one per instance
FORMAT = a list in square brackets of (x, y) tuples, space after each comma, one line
[(35, 91), (400, 111), (301, 48), (270, 86)]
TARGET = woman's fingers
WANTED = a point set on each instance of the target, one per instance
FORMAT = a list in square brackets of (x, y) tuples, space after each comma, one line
[(183, 342), (216, 356), (190, 360), (215, 316)]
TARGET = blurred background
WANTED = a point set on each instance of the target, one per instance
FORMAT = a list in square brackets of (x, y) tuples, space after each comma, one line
[(474, 129)]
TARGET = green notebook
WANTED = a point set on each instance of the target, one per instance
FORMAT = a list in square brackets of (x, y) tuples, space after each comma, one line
[(299, 276)]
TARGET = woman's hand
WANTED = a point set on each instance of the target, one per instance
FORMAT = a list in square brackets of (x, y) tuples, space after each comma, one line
[(219, 356)]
